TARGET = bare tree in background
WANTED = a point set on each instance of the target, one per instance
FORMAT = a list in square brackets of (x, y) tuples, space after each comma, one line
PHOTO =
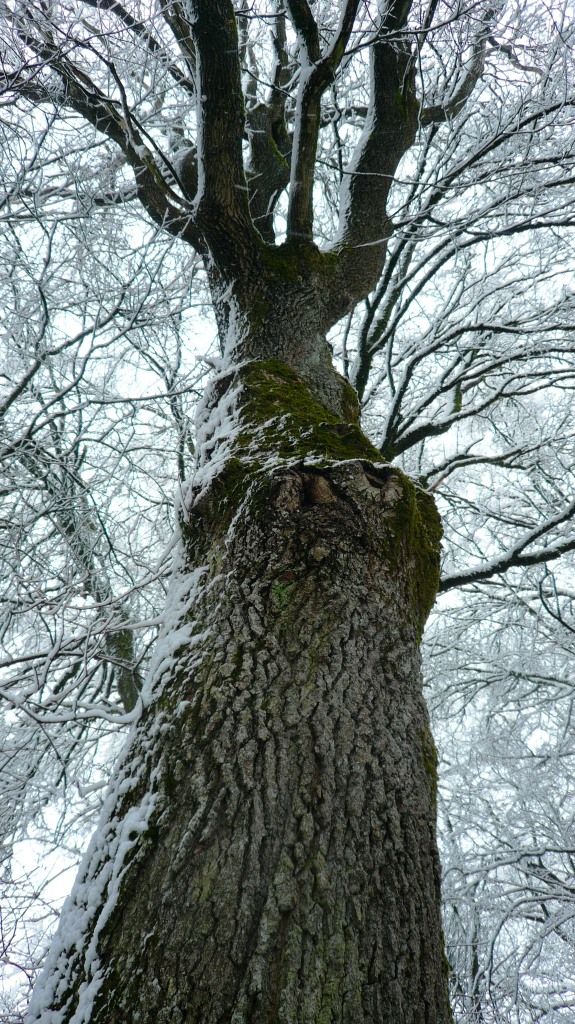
[(267, 848)]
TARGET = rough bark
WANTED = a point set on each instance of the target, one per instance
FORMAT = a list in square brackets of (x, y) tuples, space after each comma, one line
[(267, 853)]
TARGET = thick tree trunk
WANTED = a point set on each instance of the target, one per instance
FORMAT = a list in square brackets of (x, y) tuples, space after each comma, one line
[(268, 853)]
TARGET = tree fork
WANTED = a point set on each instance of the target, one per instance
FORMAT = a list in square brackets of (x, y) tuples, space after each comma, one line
[(267, 852)]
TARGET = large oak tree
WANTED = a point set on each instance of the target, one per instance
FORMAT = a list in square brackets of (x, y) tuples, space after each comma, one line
[(267, 850)]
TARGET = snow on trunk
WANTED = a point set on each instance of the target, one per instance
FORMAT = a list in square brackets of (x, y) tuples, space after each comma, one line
[(267, 852)]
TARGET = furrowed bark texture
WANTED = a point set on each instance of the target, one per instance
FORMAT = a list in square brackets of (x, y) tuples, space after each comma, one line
[(285, 867)]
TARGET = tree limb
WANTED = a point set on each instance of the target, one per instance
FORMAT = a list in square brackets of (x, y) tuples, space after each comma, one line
[(222, 207), (316, 74), (388, 133), (270, 141), (446, 111), (114, 120), (140, 29), (516, 556)]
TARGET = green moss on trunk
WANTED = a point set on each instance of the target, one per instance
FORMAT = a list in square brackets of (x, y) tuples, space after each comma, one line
[(281, 423)]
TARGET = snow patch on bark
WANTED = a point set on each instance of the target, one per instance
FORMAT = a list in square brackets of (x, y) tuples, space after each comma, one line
[(88, 908), (74, 951), (175, 632), (217, 428)]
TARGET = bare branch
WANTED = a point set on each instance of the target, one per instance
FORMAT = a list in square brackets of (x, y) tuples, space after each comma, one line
[(473, 73), (517, 556), (116, 122), (140, 29), (316, 74), (222, 201), (389, 131)]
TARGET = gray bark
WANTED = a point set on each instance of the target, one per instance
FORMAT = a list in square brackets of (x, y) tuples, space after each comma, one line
[(267, 853)]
